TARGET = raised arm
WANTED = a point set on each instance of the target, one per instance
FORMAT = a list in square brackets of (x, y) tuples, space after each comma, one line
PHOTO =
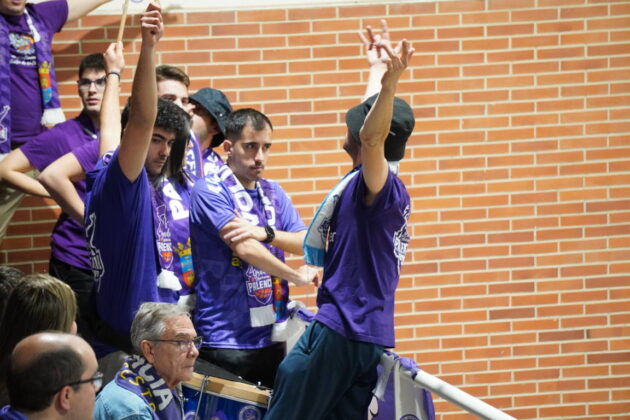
[(377, 123), (137, 136), (13, 170), (58, 178), (110, 107), (79, 8)]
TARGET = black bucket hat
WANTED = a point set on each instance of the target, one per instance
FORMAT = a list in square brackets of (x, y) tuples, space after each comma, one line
[(216, 103)]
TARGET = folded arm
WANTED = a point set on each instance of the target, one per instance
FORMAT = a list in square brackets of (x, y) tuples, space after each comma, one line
[(58, 179), (239, 229), (13, 170)]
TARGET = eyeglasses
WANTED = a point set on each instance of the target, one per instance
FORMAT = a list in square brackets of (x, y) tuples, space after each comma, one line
[(97, 380), (184, 345), (86, 83)]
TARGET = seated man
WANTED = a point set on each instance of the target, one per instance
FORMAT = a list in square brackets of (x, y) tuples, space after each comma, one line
[(166, 344), (52, 375)]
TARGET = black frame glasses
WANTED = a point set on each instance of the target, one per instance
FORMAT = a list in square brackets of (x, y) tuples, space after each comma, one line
[(97, 379), (184, 345), (99, 83)]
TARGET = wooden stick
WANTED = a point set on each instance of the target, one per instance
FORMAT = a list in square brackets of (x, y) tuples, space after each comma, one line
[(121, 29)]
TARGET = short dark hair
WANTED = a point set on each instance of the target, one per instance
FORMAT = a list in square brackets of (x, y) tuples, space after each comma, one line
[(93, 62), (173, 119), (33, 385), (239, 119), (166, 72)]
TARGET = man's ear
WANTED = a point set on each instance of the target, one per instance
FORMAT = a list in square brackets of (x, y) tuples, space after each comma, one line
[(147, 351), (62, 399), (227, 147)]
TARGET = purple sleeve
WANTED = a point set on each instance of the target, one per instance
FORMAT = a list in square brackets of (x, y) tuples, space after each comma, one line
[(390, 198), (214, 203), (87, 155), (291, 221), (55, 13), (44, 149)]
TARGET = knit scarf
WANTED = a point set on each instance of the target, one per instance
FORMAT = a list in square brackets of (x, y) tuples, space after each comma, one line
[(317, 234), (47, 81), (139, 377)]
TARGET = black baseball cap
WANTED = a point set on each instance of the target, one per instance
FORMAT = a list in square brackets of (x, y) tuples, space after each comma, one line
[(403, 122), (216, 103)]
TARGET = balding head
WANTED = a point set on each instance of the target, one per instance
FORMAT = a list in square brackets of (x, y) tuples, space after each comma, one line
[(42, 369)]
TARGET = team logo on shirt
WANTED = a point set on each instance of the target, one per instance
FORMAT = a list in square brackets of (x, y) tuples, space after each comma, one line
[(258, 284), (23, 49), (401, 239)]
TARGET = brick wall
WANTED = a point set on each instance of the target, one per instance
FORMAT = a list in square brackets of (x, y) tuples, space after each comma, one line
[(517, 279)]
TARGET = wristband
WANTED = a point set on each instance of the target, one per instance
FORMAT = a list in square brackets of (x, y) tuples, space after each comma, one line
[(271, 234), (114, 72)]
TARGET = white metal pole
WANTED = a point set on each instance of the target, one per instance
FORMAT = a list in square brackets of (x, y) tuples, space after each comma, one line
[(457, 396)]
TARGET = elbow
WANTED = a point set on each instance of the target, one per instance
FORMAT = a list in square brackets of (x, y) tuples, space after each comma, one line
[(46, 179)]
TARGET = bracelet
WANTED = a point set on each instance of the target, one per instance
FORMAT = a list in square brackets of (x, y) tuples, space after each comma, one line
[(114, 72)]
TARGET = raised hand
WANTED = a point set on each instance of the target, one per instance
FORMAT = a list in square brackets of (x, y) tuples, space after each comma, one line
[(397, 62), (374, 55), (114, 58), (151, 25)]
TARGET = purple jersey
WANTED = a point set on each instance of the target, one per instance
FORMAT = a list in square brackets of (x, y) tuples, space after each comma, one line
[(366, 248), (222, 316), (68, 238), (87, 156), (26, 102), (119, 227)]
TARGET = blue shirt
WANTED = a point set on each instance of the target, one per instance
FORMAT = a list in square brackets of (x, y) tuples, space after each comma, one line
[(117, 403), (366, 248), (222, 314), (119, 227)]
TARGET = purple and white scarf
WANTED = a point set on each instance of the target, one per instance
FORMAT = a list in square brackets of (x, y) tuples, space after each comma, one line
[(138, 376), (258, 284), (162, 233), (201, 164), (47, 80), (176, 199)]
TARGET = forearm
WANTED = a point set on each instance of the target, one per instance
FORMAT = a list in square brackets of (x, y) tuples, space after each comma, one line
[(377, 70), (25, 183), (289, 241), (144, 90), (254, 253), (79, 8), (65, 194), (110, 116)]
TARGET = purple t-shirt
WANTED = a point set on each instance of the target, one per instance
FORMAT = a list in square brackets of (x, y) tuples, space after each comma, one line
[(68, 238), (222, 313), (119, 227), (26, 103), (366, 248), (87, 156)]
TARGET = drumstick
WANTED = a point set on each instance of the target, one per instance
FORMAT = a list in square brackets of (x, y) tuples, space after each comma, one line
[(121, 29)]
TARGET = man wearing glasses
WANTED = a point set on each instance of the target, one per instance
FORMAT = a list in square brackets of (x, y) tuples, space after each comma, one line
[(146, 387), (52, 375), (69, 260)]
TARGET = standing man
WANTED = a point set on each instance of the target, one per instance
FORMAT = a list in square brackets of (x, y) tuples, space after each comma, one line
[(166, 346), (52, 375), (29, 100), (240, 225), (359, 235), (210, 112), (126, 211), (70, 260)]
